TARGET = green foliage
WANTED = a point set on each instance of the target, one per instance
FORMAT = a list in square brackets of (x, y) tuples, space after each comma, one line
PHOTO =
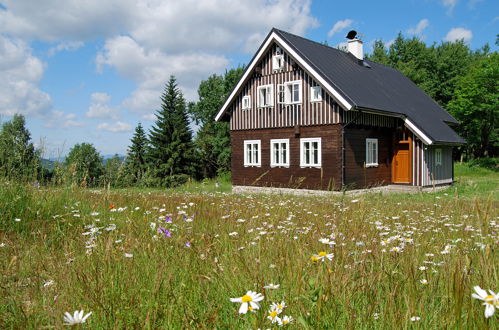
[(84, 166), (113, 172), (476, 106), (135, 162), (490, 163), (171, 149), (18, 158), (213, 138)]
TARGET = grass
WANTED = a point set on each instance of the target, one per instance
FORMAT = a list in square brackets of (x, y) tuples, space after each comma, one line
[(243, 242)]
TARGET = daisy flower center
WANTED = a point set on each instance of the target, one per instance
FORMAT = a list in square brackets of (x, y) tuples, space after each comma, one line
[(314, 258), (285, 322), (246, 298), (322, 254), (490, 300), (273, 314), (279, 306)]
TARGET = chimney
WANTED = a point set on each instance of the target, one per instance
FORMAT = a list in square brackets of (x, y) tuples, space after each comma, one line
[(355, 47)]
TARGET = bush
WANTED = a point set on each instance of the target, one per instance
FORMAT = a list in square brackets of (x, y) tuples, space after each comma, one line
[(175, 180), (491, 163)]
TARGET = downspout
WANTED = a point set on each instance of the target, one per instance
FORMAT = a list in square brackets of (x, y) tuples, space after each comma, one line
[(343, 167)]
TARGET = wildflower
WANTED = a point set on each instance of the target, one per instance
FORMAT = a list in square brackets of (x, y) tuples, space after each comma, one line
[(271, 286), (187, 244), (76, 318), (423, 268), (17, 220), (278, 307), (234, 233), (111, 206), (321, 256), (327, 241), (48, 283), (111, 227), (491, 300), (273, 316), (285, 320), (415, 318), (423, 281), (128, 255), (250, 301), (165, 232), (153, 225)]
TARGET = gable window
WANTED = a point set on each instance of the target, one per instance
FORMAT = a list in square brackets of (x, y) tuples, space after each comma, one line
[(310, 152), (278, 62), (371, 152), (315, 94), (289, 92), (279, 153), (252, 152), (438, 156), (246, 102), (266, 96)]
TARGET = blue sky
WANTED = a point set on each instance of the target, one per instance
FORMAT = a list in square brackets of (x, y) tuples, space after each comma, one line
[(89, 71)]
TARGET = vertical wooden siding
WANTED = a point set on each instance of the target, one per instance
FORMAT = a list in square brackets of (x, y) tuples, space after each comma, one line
[(307, 113), (434, 174)]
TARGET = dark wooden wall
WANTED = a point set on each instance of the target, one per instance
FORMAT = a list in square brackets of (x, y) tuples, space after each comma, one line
[(325, 178), (356, 174)]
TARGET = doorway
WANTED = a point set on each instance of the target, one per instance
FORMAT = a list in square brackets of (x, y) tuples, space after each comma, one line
[(401, 163)]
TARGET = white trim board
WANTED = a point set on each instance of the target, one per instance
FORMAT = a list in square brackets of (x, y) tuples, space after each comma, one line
[(418, 132), (275, 38)]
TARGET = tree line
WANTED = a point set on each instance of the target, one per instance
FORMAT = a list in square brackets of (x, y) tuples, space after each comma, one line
[(462, 81)]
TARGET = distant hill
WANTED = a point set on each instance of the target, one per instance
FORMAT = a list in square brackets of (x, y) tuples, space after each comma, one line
[(49, 163)]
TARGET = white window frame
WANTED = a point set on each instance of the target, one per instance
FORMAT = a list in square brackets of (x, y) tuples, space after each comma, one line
[(313, 91), (269, 90), (281, 94), (371, 157), (249, 160), (311, 163), (276, 60), (246, 99), (438, 156), (273, 160), (285, 92)]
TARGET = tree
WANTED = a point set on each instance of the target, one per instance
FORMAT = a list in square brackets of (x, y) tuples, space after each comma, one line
[(18, 158), (84, 165), (113, 171), (476, 106), (213, 138), (135, 162), (171, 150)]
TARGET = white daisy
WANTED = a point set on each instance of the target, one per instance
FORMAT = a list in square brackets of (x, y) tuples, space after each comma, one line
[(321, 256), (273, 316), (285, 320), (76, 318), (272, 286), (278, 307), (491, 300), (250, 301)]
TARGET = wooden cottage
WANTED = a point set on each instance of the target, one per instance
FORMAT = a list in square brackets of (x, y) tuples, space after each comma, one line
[(305, 115)]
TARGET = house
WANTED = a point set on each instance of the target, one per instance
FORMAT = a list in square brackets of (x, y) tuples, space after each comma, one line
[(305, 115)]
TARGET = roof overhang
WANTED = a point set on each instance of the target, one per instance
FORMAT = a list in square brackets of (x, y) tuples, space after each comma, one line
[(413, 128), (274, 37)]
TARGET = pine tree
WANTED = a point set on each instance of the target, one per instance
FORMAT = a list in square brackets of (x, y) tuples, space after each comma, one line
[(171, 150), (135, 164), (18, 157)]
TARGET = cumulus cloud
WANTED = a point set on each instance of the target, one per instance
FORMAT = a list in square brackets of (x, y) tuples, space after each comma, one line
[(56, 119), (450, 4), (99, 108), (21, 73), (70, 46), (339, 26), (423, 24), (117, 127), (458, 34)]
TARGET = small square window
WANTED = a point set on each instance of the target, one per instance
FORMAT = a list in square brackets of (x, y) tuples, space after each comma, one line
[(278, 62), (371, 152), (246, 102), (315, 94), (279, 153)]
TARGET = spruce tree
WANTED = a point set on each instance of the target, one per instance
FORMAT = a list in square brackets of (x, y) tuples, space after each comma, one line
[(135, 163), (171, 148)]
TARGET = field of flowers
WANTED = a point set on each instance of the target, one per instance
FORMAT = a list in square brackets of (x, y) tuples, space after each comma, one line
[(155, 259)]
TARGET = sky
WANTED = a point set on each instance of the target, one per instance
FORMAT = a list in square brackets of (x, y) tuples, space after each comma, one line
[(90, 71)]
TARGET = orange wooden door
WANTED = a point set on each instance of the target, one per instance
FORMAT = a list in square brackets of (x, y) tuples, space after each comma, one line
[(401, 166)]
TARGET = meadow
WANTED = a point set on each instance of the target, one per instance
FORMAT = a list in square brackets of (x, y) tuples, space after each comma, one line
[(173, 259)]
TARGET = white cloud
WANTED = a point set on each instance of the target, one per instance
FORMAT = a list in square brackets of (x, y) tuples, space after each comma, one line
[(450, 4), (56, 119), (423, 24), (69, 46), (117, 127), (458, 34), (339, 26), (99, 107), (21, 73)]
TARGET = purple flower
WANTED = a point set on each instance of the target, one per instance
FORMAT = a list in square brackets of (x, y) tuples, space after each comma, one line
[(188, 244), (165, 232), (168, 219)]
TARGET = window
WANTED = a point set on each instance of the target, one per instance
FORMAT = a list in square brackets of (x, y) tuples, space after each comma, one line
[(371, 152), (266, 96), (252, 153), (310, 152), (289, 93), (315, 94), (278, 62), (279, 152), (438, 156), (246, 102)]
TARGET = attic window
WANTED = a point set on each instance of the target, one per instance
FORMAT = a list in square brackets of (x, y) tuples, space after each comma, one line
[(289, 92), (246, 102), (277, 62), (266, 96), (315, 94)]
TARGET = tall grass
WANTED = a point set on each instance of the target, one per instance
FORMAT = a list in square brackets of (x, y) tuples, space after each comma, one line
[(240, 243)]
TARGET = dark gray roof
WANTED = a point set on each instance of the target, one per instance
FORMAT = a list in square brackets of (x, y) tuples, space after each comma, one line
[(378, 88)]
